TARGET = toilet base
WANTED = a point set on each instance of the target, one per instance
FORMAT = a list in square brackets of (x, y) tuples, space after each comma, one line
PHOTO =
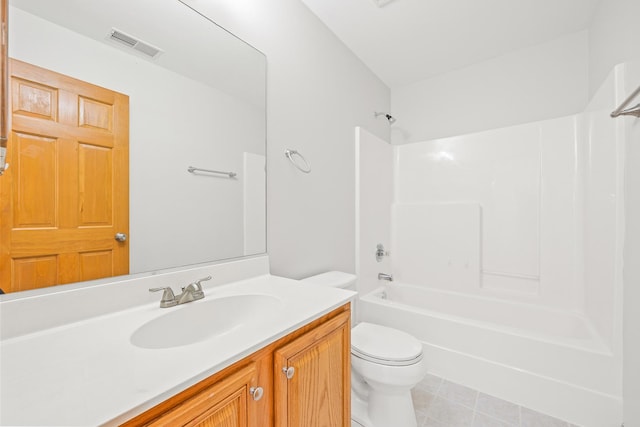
[(391, 409), (359, 416), (383, 410)]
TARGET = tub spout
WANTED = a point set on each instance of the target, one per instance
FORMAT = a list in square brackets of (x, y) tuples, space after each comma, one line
[(387, 277)]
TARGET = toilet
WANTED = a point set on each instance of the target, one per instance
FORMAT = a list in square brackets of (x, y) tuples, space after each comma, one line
[(385, 365)]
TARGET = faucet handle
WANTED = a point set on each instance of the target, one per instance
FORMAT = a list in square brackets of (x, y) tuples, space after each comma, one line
[(204, 279), (198, 292), (195, 288), (168, 297)]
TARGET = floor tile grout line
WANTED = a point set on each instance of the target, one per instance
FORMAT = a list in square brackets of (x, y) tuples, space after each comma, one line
[(475, 406), (439, 386), (519, 416), (437, 394)]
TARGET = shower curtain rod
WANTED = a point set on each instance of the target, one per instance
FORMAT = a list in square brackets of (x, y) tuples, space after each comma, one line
[(633, 111)]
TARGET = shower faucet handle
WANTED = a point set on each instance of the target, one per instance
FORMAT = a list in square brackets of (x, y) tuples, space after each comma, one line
[(380, 252), (387, 277)]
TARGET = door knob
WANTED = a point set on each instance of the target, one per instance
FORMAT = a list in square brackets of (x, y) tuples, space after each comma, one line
[(289, 371), (121, 237), (256, 392)]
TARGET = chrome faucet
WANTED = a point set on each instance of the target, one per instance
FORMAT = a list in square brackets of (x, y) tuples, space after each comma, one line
[(191, 292), (387, 277)]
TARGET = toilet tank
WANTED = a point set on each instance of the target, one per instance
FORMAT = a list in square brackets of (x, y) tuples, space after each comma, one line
[(336, 279)]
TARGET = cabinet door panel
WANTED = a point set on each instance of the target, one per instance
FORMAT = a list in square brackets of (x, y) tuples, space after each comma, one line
[(318, 393), (226, 403), (230, 413)]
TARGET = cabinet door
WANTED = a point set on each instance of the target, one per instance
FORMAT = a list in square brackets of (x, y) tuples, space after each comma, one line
[(316, 392), (227, 403)]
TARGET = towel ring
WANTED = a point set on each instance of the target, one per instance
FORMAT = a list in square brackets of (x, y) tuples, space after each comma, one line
[(290, 153)]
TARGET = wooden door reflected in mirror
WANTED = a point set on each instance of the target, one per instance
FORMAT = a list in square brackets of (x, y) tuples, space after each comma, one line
[(65, 196)]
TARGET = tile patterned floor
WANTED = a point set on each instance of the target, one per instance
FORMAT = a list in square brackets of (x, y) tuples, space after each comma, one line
[(441, 403)]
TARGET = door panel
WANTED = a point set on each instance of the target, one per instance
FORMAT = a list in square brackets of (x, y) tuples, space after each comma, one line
[(94, 265), (34, 99), (95, 166), (66, 193), (34, 272), (96, 114), (34, 197)]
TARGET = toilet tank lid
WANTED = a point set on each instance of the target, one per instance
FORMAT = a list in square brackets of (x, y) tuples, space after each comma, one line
[(335, 279)]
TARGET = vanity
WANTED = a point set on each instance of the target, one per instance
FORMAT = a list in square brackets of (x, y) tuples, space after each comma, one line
[(257, 350)]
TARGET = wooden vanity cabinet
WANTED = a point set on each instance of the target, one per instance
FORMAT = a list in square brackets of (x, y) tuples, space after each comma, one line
[(316, 392)]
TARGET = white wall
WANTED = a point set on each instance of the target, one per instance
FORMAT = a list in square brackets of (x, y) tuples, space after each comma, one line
[(168, 206), (317, 91), (542, 82), (255, 209), (613, 38)]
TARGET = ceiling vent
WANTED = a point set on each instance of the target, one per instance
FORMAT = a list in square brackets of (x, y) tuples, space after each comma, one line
[(134, 43), (382, 3)]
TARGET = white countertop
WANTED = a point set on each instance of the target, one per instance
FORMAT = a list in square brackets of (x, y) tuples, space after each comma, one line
[(88, 373)]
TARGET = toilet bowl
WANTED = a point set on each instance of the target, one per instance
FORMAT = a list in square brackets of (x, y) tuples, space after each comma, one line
[(385, 365)]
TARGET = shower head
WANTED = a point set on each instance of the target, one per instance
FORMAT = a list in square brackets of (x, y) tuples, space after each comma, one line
[(388, 116)]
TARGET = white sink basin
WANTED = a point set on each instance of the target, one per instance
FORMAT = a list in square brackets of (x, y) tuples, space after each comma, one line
[(197, 321)]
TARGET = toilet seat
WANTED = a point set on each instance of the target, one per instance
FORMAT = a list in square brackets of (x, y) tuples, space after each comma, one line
[(384, 346)]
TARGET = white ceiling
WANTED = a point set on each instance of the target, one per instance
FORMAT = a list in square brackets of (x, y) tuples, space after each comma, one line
[(410, 40)]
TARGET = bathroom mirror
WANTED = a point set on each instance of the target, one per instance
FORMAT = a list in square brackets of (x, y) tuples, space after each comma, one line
[(196, 97)]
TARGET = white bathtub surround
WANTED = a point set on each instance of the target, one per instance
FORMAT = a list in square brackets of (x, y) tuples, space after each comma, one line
[(82, 368), (631, 314), (442, 403), (495, 212), (507, 249), (437, 243), (374, 193)]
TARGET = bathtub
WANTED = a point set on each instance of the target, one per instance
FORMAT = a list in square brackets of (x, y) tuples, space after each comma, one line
[(548, 360)]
